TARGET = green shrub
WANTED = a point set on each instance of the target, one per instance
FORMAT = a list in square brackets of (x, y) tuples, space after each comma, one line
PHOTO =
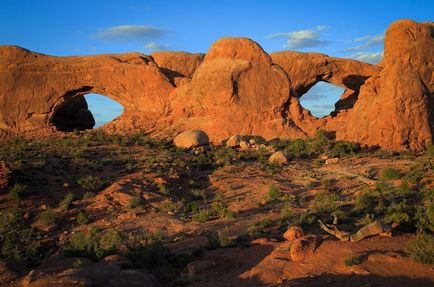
[(82, 218), (326, 203), (92, 244), (66, 203), (17, 191), (90, 183), (273, 192), (203, 215), (389, 174), (297, 147), (421, 248), (344, 148), (18, 241), (219, 239), (146, 250), (48, 216), (424, 217), (352, 261)]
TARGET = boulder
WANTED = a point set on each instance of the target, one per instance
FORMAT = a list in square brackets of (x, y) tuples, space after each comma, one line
[(278, 157), (293, 233), (244, 145), (332, 160), (191, 139), (234, 141)]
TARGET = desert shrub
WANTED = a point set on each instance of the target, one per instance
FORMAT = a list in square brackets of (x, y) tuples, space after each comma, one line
[(134, 202), (202, 215), (163, 189), (344, 148), (307, 218), (146, 249), (273, 192), (66, 203), (326, 203), (92, 244), (365, 220), (368, 200), (18, 241), (424, 217), (82, 218), (219, 239), (48, 216), (204, 162), (297, 147), (90, 183), (17, 191), (421, 248), (400, 212), (327, 184), (351, 261), (389, 174)]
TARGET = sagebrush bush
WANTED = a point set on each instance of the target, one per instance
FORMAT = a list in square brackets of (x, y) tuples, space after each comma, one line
[(421, 248), (90, 183), (219, 239), (146, 249), (134, 202), (66, 203), (48, 216), (92, 244), (82, 218), (18, 241)]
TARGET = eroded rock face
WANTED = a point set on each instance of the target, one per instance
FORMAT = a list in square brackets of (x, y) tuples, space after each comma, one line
[(237, 88)]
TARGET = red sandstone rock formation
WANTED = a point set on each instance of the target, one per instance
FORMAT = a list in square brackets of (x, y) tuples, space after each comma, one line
[(236, 89)]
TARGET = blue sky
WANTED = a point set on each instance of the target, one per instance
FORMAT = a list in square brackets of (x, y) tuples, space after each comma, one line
[(352, 29)]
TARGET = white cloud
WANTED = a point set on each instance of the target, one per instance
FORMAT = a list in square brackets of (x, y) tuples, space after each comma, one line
[(370, 57), (370, 41), (129, 32), (152, 46), (302, 39)]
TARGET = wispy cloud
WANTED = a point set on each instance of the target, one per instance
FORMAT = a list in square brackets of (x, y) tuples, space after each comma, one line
[(129, 32), (308, 38), (369, 41), (370, 57), (152, 46)]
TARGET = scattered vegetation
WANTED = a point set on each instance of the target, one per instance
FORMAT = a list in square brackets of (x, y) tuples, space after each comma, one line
[(421, 248), (351, 261), (82, 218), (66, 203), (90, 183), (390, 174), (48, 216), (17, 191)]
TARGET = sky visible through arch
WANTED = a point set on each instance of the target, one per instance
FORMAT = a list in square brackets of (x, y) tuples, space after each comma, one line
[(349, 29)]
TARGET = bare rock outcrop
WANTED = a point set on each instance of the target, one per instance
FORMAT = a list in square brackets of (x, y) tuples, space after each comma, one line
[(237, 88)]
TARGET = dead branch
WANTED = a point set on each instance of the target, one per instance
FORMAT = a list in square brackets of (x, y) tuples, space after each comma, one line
[(375, 228)]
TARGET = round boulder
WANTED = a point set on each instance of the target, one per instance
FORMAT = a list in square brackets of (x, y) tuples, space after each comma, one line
[(302, 247), (293, 233), (191, 139), (278, 157)]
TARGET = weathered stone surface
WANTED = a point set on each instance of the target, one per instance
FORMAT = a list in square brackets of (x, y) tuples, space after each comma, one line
[(237, 88), (278, 157), (191, 139), (35, 86), (234, 141), (293, 233), (303, 247)]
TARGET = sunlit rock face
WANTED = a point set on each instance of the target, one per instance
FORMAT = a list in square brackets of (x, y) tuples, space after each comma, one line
[(236, 88)]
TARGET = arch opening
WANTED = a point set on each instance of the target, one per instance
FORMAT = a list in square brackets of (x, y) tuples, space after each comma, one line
[(85, 111), (321, 98)]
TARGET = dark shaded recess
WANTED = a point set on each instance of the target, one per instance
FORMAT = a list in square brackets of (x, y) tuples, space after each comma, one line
[(73, 115), (353, 82), (431, 115), (171, 74), (340, 280)]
